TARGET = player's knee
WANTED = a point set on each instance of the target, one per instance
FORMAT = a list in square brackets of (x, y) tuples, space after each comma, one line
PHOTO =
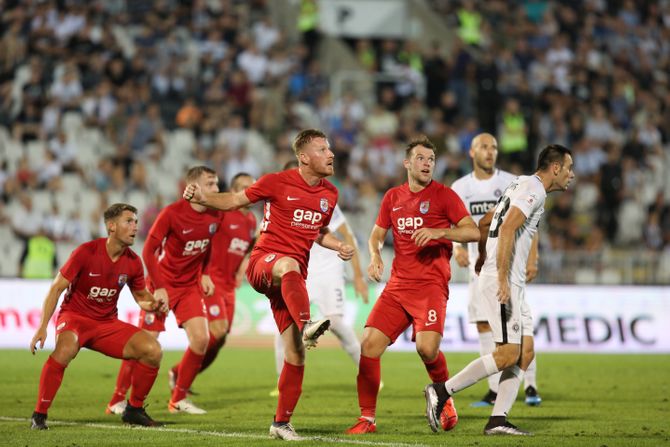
[(370, 348), (428, 353), (198, 343), (153, 353), (507, 355), (295, 356)]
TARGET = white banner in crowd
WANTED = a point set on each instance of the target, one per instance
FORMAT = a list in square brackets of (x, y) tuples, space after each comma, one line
[(364, 18), (567, 318)]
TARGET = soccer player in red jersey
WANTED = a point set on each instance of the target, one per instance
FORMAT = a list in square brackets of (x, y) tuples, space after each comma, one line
[(425, 217), (94, 275), (298, 206), (176, 251), (231, 244)]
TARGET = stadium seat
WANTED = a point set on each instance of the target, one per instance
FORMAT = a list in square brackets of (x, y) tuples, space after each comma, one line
[(42, 201), (35, 152)]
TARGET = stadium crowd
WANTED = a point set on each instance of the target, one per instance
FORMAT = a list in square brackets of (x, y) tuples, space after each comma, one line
[(110, 101)]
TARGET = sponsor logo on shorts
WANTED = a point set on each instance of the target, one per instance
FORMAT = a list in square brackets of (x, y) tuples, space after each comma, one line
[(515, 327), (123, 279), (61, 326), (149, 318), (269, 258), (323, 204), (214, 310), (424, 207)]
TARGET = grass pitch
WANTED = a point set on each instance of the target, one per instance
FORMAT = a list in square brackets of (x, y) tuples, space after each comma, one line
[(589, 400)]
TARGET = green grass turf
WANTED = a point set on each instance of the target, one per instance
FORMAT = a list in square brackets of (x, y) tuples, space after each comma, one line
[(589, 400)]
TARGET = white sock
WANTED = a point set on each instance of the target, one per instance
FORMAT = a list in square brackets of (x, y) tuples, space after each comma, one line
[(529, 378), (487, 346), (279, 353), (347, 338), (507, 390), (471, 374)]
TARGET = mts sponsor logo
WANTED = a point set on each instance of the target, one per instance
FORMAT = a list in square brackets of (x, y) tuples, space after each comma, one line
[(482, 207)]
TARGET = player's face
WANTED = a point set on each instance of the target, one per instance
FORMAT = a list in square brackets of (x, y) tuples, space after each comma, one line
[(484, 152), (209, 183), (420, 165), (318, 157), (124, 228), (566, 174), (242, 183)]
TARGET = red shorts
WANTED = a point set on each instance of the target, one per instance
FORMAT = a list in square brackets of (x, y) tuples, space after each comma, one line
[(106, 336), (185, 303), (259, 275), (397, 307), (221, 305)]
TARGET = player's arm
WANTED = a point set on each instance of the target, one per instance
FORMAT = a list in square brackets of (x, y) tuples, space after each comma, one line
[(328, 240), (225, 201), (532, 266), (148, 302), (514, 219), (464, 231), (360, 285), (58, 286), (484, 225), (461, 254), (375, 244)]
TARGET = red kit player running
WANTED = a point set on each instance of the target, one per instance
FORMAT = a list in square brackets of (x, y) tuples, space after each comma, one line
[(230, 246), (425, 217), (298, 206), (176, 253), (94, 275)]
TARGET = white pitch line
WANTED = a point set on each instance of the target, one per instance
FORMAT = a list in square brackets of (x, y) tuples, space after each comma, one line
[(220, 434)]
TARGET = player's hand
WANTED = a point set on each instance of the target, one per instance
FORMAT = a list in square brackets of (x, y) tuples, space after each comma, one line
[(461, 255), (376, 268), (207, 285), (480, 262), (503, 291), (346, 252), (531, 271), (40, 336), (160, 296), (361, 288), (422, 236), (193, 193)]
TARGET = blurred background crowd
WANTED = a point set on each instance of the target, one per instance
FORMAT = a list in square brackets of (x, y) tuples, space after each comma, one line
[(107, 101)]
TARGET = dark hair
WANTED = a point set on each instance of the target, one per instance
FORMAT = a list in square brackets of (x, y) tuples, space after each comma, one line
[(554, 153), (195, 172), (237, 176), (304, 137), (116, 210), (291, 164), (420, 141)]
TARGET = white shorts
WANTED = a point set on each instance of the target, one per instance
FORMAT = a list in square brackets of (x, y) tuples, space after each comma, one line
[(509, 322), (476, 305), (327, 294)]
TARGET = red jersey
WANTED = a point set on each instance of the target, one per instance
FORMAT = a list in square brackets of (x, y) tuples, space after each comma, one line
[(230, 245), (294, 213), (436, 206), (96, 281), (178, 245)]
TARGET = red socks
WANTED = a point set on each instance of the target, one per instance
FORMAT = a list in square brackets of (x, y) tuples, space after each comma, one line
[(295, 296), (123, 381), (213, 349), (187, 370), (50, 380), (290, 388), (437, 369), (367, 381), (143, 378)]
